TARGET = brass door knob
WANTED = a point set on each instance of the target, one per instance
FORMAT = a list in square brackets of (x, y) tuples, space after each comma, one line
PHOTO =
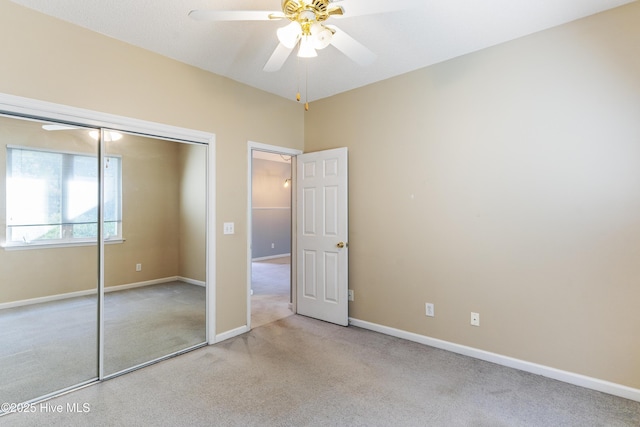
[(341, 245)]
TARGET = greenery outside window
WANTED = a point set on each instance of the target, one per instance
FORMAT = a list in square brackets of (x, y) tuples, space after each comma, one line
[(52, 197)]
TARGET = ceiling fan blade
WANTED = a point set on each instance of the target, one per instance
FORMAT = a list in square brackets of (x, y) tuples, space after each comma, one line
[(278, 58), (235, 15), (58, 127), (372, 7), (352, 48)]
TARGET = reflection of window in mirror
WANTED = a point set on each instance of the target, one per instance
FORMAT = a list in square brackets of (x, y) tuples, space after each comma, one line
[(52, 197)]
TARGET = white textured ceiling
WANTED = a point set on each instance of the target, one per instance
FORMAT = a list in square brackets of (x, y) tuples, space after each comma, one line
[(403, 41)]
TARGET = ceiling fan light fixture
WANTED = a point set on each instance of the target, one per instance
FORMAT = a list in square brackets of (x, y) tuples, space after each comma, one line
[(290, 34), (306, 48)]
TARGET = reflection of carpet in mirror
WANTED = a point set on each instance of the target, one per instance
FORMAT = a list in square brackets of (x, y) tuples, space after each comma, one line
[(50, 346), (270, 282), (146, 323)]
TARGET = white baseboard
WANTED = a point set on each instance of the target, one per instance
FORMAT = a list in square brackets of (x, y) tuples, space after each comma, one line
[(140, 284), (21, 303), (192, 281), (546, 371), (265, 258), (230, 334), (58, 297)]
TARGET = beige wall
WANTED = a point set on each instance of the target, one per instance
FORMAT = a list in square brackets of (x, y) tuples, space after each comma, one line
[(193, 210), (150, 211), (47, 59), (505, 182)]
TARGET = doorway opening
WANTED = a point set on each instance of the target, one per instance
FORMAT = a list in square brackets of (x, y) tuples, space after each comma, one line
[(270, 290)]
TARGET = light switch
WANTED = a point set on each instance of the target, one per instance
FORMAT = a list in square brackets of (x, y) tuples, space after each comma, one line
[(228, 228)]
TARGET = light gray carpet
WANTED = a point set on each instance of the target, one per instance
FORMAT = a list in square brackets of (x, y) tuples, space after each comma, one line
[(51, 346), (270, 282), (151, 322), (302, 372)]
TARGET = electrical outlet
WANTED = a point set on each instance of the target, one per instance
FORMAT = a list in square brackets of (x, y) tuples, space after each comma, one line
[(138, 267), (351, 295), (429, 310), (273, 246), (475, 319)]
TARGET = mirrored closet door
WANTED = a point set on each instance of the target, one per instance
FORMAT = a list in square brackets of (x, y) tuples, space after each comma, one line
[(102, 253), (154, 301), (48, 257)]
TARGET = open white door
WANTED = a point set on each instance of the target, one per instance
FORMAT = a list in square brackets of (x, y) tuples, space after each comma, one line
[(322, 250)]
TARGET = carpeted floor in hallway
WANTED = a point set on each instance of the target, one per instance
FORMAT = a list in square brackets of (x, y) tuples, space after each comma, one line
[(271, 285)]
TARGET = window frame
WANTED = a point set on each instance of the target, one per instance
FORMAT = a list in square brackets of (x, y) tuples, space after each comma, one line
[(68, 157)]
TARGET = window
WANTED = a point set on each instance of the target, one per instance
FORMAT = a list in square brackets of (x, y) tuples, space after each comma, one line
[(52, 197)]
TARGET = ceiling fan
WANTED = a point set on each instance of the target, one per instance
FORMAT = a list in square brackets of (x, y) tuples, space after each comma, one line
[(110, 135), (308, 29)]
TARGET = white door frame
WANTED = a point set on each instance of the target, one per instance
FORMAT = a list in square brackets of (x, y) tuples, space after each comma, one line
[(251, 146)]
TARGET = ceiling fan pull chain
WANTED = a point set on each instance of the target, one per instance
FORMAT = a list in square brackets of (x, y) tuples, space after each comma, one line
[(298, 73), (306, 86)]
